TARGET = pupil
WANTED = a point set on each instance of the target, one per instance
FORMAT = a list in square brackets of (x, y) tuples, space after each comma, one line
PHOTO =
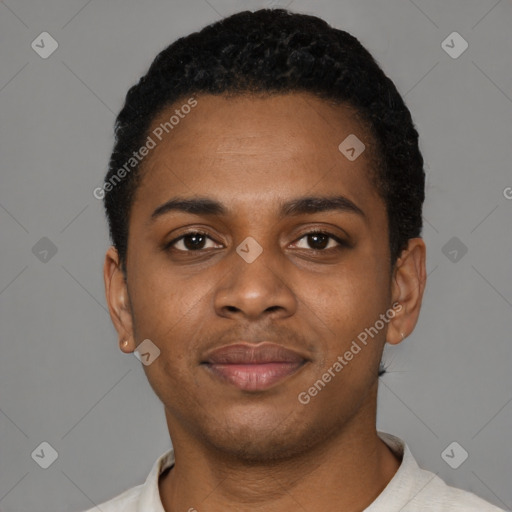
[(196, 244), (316, 236)]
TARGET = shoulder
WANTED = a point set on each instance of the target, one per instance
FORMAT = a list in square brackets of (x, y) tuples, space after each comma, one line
[(438, 496), (126, 502), (143, 497), (414, 489)]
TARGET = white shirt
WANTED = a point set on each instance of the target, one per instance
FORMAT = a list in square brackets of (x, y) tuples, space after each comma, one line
[(411, 489)]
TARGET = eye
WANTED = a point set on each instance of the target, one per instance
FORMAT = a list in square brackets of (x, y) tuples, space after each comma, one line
[(196, 241), (190, 242), (320, 241)]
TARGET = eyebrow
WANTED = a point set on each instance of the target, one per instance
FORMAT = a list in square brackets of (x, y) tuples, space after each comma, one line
[(298, 206)]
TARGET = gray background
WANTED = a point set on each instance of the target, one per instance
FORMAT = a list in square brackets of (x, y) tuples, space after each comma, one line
[(63, 379)]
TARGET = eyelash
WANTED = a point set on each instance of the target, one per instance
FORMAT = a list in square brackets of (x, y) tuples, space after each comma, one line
[(342, 243)]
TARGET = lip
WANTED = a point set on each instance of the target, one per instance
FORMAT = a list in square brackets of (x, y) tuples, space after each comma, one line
[(253, 367)]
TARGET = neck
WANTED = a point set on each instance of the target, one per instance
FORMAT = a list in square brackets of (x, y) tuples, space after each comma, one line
[(351, 469)]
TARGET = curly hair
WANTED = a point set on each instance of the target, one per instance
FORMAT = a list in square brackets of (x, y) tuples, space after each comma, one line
[(275, 51)]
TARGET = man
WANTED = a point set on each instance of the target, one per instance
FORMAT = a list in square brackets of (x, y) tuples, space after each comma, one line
[(264, 199)]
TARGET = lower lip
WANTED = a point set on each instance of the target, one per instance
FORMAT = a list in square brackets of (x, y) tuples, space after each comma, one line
[(254, 377)]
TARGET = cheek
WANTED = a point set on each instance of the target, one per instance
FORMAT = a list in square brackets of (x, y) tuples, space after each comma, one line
[(350, 357), (170, 309), (350, 304), (159, 298), (351, 297)]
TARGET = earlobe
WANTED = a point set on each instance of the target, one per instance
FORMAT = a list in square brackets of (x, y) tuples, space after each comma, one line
[(126, 346), (116, 292), (408, 284)]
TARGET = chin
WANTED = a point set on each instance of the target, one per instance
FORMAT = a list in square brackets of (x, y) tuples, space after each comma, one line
[(259, 448), (262, 439)]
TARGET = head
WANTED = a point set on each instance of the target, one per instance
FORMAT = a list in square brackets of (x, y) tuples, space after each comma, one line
[(249, 126)]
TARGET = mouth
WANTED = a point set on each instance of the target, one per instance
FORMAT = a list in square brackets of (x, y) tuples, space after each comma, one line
[(253, 367)]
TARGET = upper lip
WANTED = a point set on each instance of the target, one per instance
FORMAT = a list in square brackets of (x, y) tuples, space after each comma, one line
[(244, 353)]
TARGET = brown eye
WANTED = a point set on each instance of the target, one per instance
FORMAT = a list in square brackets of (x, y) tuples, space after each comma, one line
[(320, 241), (189, 242)]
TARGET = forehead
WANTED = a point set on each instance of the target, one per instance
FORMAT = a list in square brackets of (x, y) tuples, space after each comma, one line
[(244, 149)]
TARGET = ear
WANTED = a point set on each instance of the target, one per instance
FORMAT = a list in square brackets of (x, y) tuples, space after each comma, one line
[(408, 283), (118, 300)]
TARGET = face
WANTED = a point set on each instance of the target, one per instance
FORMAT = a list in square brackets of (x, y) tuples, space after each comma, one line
[(257, 265)]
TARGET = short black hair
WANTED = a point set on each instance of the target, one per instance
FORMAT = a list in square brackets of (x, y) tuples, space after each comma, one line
[(275, 51)]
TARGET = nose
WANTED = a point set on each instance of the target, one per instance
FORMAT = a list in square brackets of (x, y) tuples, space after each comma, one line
[(255, 289)]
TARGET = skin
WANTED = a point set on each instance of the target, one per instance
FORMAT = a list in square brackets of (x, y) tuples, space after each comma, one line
[(248, 451)]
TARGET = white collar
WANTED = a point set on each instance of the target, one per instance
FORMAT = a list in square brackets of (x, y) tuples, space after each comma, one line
[(149, 498)]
